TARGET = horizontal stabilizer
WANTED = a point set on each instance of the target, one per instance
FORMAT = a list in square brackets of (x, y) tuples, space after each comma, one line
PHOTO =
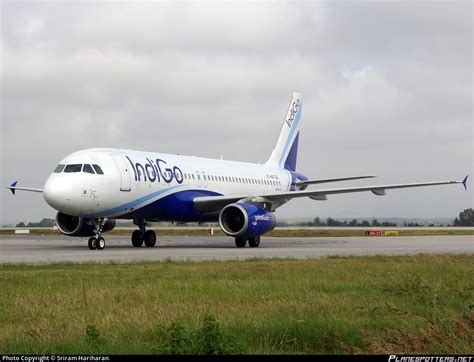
[(313, 182), (13, 187)]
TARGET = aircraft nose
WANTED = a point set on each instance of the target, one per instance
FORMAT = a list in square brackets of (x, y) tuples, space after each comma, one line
[(56, 192)]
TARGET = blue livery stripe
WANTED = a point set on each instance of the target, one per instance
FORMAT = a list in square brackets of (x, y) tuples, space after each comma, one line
[(131, 204), (176, 206)]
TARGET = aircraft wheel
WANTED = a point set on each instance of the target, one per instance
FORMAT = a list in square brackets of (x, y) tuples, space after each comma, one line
[(150, 238), (240, 242), (100, 243), (137, 238), (92, 243), (254, 242)]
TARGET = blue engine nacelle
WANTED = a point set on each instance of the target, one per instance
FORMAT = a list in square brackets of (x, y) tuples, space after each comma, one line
[(79, 226), (246, 220)]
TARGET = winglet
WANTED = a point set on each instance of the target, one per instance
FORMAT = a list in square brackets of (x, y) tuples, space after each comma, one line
[(464, 182), (13, 187)]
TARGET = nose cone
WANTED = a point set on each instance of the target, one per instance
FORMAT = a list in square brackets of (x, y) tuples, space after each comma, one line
[(56, 192)]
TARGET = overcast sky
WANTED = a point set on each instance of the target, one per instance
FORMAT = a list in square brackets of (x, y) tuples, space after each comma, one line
[(388, 90)]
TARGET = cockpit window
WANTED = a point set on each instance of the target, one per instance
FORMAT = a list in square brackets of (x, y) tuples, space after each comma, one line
[(98, 170), (59, 168), (87, 168), (73, 168)]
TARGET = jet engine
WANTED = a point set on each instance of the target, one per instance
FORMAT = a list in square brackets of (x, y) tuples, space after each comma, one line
[(79, 226), (246, 220)]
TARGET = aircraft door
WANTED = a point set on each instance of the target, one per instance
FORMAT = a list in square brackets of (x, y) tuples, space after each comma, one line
[(125, 178), (198, 178), (205, 181)]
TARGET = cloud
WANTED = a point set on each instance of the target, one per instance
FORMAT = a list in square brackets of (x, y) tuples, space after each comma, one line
[(387, 87)]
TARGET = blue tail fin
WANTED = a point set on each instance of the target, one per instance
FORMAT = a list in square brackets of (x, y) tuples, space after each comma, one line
[(286, 149)]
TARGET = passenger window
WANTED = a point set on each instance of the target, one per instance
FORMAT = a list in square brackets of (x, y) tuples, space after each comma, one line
[(59, 168), (73, 168), (98, 170), (88, 168)]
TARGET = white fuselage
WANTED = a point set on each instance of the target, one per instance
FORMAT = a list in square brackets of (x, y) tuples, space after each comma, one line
[(137, 184)]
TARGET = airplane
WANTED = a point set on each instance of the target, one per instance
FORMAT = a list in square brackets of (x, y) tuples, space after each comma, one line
[(92, 188)]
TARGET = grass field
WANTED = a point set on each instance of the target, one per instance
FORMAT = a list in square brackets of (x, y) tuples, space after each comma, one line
[(275, 233), (418, 304)]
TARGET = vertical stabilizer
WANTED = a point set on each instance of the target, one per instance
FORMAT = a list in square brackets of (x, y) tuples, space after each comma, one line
[(286, 149)]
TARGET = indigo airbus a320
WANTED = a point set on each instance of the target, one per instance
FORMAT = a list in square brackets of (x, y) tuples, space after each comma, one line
[(92, 188)]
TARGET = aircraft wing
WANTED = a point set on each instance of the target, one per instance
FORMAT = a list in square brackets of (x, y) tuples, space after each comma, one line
[(213, 203), (13, 187)]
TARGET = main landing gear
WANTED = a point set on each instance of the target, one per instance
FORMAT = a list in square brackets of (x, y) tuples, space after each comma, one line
[(143, 235), (253, 242), (97, 241)]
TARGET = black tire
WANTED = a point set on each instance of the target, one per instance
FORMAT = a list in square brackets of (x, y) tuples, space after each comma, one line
[(240, 242), (149, 238), (100, 243), (137, 238), (254, 242), (92, 243)]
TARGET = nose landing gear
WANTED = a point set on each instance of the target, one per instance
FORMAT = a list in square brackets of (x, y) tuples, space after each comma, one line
[(97, 242)]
